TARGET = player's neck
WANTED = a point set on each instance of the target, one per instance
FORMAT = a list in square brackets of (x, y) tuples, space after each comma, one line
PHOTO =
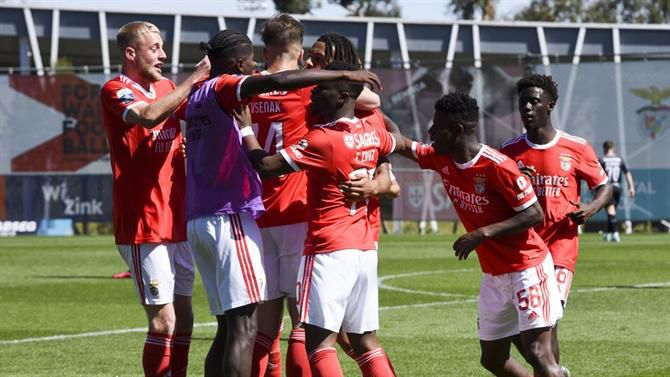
[(137, 77), (282, 63), (281, 59), (342, 112), (466, 151), (542, 135)]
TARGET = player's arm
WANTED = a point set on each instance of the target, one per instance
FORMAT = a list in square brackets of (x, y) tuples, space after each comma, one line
[(601, 197), (629, 179), (289, 80), (403, 145), (524, 219), (381, 185), (266, 165), (367, 100), (149, 115), (592, 172)]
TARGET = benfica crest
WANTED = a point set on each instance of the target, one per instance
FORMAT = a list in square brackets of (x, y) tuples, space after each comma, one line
[(566, 162), (653, 119), (416, 195), (480, 184), (349, 141)]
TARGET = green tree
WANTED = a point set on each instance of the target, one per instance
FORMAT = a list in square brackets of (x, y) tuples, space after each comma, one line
[(552, 11), (360, 8), (610, 11), (468, 9)]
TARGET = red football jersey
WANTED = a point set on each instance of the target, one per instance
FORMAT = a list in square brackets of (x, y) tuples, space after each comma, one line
[(376, 119), (486, 190), (331, 153), (560, 166), (147, 166), (279, 120)]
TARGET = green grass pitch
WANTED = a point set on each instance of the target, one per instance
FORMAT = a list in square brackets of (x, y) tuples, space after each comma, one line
[(62, 315)]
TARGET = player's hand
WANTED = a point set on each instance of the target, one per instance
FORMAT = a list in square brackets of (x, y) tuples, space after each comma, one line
[(366, 77), (182, 146), (358, 188), (468, 242), (201, 70), (243, 116), (582, 214), (528, 171), (631, 192)]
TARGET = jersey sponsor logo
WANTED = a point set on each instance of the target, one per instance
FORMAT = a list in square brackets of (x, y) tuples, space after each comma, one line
[(480, 184), (125, 95), (366, 140), (466, 201), (566, 162)]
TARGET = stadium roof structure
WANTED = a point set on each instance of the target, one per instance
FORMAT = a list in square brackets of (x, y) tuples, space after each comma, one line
[(34, 38)]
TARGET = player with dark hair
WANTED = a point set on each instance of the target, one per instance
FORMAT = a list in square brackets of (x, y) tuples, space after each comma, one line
[(338, 271), (556, 163), (497, 205), (224, 193), (614, 165), (148, 190)]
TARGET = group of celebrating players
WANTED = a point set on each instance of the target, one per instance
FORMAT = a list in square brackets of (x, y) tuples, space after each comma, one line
[(276, 197)]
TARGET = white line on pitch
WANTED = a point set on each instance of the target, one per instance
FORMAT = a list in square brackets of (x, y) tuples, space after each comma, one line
[(384, 308)]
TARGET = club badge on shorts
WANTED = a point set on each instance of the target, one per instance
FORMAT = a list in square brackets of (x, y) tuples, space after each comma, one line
[(153, 287)]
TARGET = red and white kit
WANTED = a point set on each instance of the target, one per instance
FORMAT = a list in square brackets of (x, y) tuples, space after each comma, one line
[(486, 190), (148, 192), (560, 166), (279, 120), (340, 243)]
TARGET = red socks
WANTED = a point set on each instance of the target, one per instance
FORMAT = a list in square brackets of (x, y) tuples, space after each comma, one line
[(179, 358), (274, 360), (324, 363), (262, 349), (156, 355), (297, 363), (375, 363)]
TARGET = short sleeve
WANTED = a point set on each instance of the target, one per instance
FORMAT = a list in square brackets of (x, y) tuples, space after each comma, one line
[(118, 98), (424, 154), (314, 150), (227, 89), (515, 187), (589, 169), (624, 167)]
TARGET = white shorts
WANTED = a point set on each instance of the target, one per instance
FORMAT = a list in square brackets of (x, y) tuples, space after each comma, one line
[(339, 290), (226, 250), (518, 301), (564, 282), (159, 270), (282, 249)]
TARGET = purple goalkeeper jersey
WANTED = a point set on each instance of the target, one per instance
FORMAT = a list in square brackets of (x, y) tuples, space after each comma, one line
[(220, 179)]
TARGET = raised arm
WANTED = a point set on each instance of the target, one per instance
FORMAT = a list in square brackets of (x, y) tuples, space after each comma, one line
[(149, 115), (288, 80), (367, 100), (523, 220)]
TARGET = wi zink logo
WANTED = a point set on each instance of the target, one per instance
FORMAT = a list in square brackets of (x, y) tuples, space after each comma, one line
[(654, 119), (73, 206)]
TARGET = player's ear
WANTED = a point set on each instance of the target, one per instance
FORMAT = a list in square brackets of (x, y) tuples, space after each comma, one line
[(551, 106), (129, 53)]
